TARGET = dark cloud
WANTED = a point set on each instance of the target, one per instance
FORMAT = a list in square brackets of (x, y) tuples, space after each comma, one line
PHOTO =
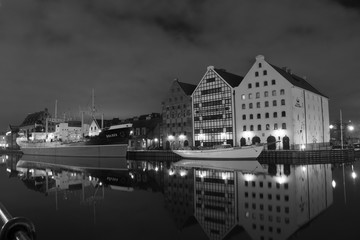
[(130, 51)]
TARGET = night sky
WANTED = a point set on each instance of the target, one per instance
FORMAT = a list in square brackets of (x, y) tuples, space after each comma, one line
[(129, 51)]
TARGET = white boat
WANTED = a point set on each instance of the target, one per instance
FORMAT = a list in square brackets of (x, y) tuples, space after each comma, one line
[(236, 153)]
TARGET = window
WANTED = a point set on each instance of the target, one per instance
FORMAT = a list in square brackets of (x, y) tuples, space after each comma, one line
[(256, 74), (273, 92), (275, 115), (283, 126), (249, 85), (257, 95), (283, 114), (258, 104), (265, 83), (266, 115), (243, 106), (282, 102), (258, 116), (274, 103), (251, 127), (266, 104), (250, 105), (266, 94), (273, 82), (282, 92), (265, 72), (267, 126), (260, 65), (250, 95), (251, 116), (259, 127), (244, 117), (257, 84), (243, 97), (275, 126)]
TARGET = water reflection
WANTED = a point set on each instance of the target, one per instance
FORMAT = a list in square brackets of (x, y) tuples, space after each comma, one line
[(241, 201)]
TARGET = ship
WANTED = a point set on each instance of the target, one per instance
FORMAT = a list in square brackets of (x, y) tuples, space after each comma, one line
[(111, 142)]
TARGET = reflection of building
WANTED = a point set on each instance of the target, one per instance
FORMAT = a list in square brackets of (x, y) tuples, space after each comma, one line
[(179, 195), (213, 108), (215, 202), (176, 127), (274, 104), (274, 207)]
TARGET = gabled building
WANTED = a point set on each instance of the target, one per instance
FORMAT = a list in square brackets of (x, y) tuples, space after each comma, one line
[(146, 132), (176, 126), (213, 104), (36, 122), (273, 104)]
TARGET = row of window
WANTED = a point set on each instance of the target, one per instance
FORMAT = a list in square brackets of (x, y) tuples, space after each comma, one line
[(175, 107), (266, 104), (261, 196), (264, 73), (270, 207), (266, 94), (261, 184), (178, 124), (267, 115), (267, 127)]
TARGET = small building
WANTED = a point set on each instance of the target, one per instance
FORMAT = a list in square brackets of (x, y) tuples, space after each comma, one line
[(176, 125), (36, 122), (146, 132)]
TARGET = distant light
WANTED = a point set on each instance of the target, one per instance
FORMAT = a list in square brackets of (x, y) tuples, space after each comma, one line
[(353, 175), (171, 172), (183, 172), (100, 183), (8, 170), (6, 156), (182, 136), (202, 174), (225, 175), (331, 126), (171, 137), (281, 179), (156, 169), (156, 140), (333, 183), (303, 147), (351, 127), (303, 168), (131, 132)]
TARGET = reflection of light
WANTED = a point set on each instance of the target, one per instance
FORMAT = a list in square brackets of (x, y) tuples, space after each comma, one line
[(156, 169), (202, 174), (100, 183), (225, 175), (131, 132), (331, 126), (131, 175), (171, 172), (303, 147), (249, 177), (353, 175), (6, 156), (333, 183), (183, 172), (90, 178), (303, 168), (281, 179), (247, 214), (8, 170), (156, 140)]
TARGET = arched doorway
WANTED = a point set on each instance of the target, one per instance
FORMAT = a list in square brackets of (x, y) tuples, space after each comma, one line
[(286, 143), (271, 141), (255, 140), (242, 141), (167, 145)]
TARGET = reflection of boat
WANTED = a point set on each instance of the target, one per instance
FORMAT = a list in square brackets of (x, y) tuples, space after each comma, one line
[(224, 164), (248, 152), (111, 142)]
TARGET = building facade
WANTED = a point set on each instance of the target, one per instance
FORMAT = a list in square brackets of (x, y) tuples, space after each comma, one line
[(213, 108), (146, 132), (176, 126), (275, 106)]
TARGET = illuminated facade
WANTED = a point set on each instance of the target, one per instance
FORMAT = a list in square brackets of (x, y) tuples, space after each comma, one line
[(273, 104), (176, 127), (213, 108)]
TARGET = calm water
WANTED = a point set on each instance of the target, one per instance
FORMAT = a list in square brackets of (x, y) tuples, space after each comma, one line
[(81, 198)]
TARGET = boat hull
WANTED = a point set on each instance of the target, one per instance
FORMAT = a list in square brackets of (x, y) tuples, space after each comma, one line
[(81, 150), (222, 153)]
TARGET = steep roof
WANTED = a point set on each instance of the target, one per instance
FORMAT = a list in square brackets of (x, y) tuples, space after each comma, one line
[(296, 80), (32, 118), (187, 87), (232, 79)]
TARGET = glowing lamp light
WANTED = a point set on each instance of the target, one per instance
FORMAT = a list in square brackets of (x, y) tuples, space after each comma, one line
[(303, 147), (281, 179), (7, 157), (100, 183), (331, 126), (225, 175), (131, 132), (8, 170), (351, 128), (333, 183), (202, 174), (182, 136), (353, 175), (183, 173), (249, 177), (156, 140), (171, 137), (156, 169), (171, 172), (303, 168), (131, 175)]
